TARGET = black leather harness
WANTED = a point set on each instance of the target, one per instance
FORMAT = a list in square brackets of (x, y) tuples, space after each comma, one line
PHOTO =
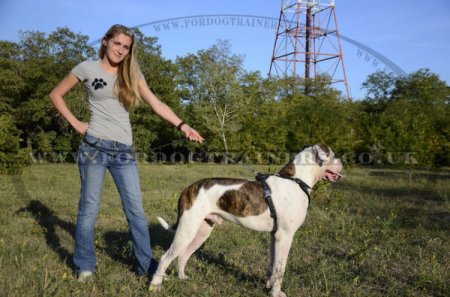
[(268, 193)]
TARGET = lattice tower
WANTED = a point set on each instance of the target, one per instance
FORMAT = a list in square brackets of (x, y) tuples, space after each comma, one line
[(307, 43)]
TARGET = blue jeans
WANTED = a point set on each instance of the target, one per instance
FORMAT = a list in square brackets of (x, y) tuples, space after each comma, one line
[(94, 157)]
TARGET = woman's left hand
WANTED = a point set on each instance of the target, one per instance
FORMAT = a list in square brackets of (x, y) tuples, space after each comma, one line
[(191, 134)]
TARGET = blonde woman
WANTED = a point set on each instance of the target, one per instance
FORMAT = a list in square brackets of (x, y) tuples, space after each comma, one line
[(115, 85)]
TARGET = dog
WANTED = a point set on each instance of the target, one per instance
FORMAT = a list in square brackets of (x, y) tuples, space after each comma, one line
[(210, 201)]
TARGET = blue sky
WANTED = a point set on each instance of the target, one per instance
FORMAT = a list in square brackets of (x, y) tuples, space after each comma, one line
[(412, 34)]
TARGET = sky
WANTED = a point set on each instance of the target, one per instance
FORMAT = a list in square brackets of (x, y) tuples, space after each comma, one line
[(400, 36)]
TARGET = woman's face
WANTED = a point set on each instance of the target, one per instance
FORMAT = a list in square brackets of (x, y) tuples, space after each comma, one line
[(117, 48)]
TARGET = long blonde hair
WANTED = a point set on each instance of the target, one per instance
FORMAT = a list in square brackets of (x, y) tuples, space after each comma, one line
[(126, 86)]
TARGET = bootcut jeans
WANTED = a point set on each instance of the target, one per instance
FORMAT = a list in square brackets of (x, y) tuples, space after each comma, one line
[(95, 156)]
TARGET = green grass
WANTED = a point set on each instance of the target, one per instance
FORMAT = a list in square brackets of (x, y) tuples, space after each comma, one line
[(377, 233)]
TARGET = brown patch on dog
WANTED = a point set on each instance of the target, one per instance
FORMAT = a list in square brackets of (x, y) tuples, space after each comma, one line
[(188, 196), (288, 170), (247, 201)]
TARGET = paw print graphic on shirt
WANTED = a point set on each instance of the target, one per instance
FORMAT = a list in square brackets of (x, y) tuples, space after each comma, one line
[(99, 83)]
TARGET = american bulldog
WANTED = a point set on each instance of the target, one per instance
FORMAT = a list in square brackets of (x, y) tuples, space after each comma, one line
[(210, 201)]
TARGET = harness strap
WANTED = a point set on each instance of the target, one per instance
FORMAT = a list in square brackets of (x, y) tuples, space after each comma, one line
[(268, 196), (301, 184), (268, 193)]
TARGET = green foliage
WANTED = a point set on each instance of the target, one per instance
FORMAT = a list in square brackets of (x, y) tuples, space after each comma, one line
[(212, 81), (236, 111), (413, 118), (30, 70), (45, 61), (423, 87), (263, 127), (149, 130), (379, 85), (12, 157), (145, 130)]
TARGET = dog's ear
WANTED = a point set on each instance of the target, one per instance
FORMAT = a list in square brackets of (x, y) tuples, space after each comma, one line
[(323, 153)]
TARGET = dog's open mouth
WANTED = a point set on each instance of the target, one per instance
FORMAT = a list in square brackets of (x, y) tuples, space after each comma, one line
[(332, 176)]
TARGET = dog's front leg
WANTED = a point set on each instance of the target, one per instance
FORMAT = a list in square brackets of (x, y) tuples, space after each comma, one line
[(272, 260), (282, 244)]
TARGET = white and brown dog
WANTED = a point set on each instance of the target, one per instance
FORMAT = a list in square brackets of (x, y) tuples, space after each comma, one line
[(212, 200)]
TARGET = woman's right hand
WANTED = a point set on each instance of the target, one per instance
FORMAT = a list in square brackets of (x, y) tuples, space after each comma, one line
[(56, 95), (81, 127)]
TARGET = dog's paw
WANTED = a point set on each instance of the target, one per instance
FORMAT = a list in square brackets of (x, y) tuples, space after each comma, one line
[(269, 284), (155, 288), (278, 294)]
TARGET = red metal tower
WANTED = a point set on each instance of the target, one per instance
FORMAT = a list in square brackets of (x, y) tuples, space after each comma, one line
[(308, 36)]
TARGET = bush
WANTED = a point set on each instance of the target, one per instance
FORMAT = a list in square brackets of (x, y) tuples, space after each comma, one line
[(12, 158)]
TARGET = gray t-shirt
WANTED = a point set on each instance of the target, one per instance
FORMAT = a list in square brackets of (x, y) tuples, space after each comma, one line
[(109, 118)]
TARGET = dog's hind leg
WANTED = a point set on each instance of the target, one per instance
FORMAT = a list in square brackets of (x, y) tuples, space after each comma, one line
[(187, 229), (202, 234)]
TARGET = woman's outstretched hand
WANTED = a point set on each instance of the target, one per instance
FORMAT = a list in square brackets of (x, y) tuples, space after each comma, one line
[(191, 134)]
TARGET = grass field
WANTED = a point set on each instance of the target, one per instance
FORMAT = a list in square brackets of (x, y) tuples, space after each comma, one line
[(379, 232)]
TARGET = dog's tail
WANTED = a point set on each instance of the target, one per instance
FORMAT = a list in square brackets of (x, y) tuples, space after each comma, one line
[(166, 226)]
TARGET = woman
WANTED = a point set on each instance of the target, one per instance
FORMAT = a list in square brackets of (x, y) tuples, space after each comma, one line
[(115, 85)]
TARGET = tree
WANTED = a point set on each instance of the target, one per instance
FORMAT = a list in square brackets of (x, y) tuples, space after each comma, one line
[(427, 96), (379, 85), (210, 82), (414, 120), (422, 86), (45, 61), (263, 127), (321, 117), (12, 157)]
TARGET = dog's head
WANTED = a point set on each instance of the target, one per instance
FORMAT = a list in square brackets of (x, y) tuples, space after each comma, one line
[(314, 163)]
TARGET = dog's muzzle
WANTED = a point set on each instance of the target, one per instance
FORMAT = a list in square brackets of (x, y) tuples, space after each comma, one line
[(333, 171)]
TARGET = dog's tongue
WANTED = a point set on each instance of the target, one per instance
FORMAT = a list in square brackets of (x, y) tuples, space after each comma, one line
[(332, 176)]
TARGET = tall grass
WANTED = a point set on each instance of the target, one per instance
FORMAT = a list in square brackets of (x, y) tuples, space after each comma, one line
[(377, 233)]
